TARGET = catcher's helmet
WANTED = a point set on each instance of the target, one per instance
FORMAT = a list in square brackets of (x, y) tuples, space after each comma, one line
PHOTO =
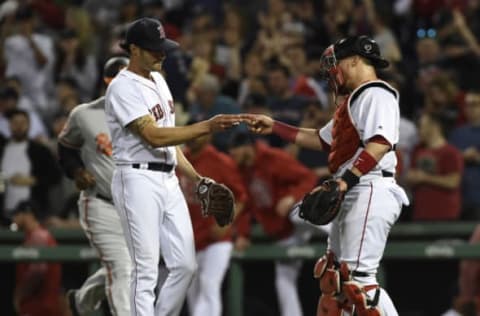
[(360, 45)]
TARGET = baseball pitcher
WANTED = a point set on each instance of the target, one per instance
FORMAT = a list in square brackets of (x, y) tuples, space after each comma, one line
[(141, 119)]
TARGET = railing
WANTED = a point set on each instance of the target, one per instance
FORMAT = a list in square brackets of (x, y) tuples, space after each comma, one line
[(401, 230)]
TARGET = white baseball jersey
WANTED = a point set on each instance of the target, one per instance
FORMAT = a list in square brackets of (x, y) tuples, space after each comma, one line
[(130, 96), (87, 131), (373, 112)]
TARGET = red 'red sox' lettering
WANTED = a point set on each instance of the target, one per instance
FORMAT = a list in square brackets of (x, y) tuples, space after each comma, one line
[(157, 112)]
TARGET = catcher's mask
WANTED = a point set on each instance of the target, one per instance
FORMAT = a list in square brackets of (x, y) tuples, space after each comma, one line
[(346, 47)]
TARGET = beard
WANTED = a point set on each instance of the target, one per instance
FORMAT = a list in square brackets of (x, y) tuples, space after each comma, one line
[(157, 66)]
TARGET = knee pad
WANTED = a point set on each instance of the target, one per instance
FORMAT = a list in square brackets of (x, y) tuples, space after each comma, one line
[(326, 269), (325, 262), (357, 297), (328, 306)]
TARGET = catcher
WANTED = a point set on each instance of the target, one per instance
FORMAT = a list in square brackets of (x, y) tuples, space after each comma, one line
[(363, 201)]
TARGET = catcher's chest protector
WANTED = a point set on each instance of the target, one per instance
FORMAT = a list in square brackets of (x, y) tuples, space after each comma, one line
[(345, 138)]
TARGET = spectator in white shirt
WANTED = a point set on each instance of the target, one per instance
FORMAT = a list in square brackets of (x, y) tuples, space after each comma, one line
[(29, 168), (29, 56)]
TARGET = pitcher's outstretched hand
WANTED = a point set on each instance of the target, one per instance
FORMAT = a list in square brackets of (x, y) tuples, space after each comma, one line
[(222, 122)]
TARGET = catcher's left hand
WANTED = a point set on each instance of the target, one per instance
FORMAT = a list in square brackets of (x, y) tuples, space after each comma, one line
[(216, 200), (320, 207)]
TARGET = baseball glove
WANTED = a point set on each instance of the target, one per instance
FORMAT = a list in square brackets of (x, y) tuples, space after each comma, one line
[(322, 206), (216, 200)]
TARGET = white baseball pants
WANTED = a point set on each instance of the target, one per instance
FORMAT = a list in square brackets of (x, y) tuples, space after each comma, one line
[(204, 295), (156, 223), (359, 233), (99, 219)]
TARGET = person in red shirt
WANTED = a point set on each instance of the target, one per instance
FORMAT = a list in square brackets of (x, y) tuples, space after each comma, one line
[(213, 244), (435, 173), (37, 289), (275, 182)]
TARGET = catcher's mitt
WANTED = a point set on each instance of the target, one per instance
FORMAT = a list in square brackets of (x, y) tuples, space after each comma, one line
[(321, 207), (216, 200)]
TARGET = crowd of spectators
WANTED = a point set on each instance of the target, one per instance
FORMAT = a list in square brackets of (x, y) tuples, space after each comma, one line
[(252, 56), (246, 56)]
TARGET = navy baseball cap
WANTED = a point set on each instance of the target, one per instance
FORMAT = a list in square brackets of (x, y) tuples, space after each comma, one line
[(148, 34), (360, 45)]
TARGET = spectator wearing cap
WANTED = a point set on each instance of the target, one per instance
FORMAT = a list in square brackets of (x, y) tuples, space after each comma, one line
[(74, 62), (30, 57), (9, 100), (29, 168), (38, 285)]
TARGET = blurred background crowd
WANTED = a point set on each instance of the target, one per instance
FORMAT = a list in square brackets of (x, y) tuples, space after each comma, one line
[(258, 56), (251, 56)]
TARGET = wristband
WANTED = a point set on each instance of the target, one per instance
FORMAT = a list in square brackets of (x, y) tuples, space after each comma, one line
[(365, 162), (350, 178), (285, 131)]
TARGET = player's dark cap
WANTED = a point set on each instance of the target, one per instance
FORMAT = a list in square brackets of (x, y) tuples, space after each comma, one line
[(240, 139), (148, 34), (360, 45), (114, 65)]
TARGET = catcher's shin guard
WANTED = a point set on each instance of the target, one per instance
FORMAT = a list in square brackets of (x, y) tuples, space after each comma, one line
[(328, 305), (356, 295)]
